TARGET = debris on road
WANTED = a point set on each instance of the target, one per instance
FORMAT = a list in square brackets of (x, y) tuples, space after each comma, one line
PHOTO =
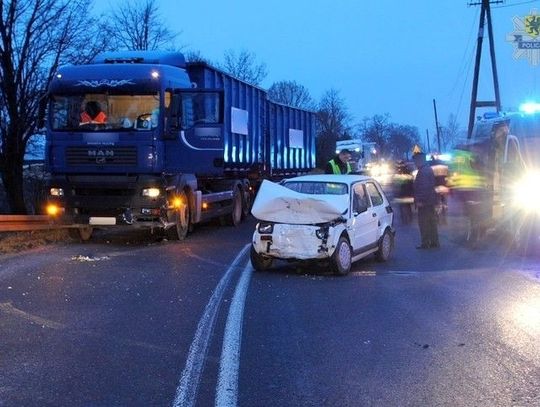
[(82, 258)]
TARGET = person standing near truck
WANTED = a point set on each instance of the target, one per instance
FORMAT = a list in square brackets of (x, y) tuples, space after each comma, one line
[(425, 199), (340, 163)]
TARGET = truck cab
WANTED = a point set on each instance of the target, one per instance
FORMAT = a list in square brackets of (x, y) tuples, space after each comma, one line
[(498, 166)]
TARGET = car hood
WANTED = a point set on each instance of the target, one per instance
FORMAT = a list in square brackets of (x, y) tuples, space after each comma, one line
[(276, 203)]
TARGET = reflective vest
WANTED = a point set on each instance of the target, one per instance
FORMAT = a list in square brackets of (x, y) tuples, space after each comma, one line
[(336, 169), (464, 176), (100, 118)]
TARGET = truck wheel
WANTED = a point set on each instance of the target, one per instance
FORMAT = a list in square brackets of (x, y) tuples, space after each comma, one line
[(235, 217), (181, 218), (342, 257), (258, 261), (386, 245), (83, 233), (246, 203)]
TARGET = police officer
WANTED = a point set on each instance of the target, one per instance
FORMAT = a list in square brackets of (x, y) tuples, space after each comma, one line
[(425, 199), (340, 163)]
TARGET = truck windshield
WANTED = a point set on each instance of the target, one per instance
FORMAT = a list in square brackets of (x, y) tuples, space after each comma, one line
[(99, 112)]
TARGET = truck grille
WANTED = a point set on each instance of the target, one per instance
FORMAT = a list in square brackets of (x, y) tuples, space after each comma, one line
[(101, 156)]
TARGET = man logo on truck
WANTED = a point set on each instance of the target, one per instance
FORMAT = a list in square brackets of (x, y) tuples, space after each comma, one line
[(100, 155)]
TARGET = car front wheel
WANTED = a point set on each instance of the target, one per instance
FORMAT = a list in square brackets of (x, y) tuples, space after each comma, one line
[(260, 262), (342, 257)]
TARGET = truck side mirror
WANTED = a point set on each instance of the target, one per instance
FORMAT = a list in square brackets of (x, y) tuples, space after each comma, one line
[(42, 109)]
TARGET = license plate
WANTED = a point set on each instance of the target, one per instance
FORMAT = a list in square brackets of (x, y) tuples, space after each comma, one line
[(100, 220)]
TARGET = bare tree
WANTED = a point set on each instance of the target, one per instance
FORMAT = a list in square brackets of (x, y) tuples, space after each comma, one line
[(244, 66), (196, 56), (376, 129), (291, 93), (137, 25), (36, 36), (401, 140), (450, 133), (334, 123)]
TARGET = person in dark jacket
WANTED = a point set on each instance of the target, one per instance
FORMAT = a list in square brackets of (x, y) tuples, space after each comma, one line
[(340, 163), (425, 199)]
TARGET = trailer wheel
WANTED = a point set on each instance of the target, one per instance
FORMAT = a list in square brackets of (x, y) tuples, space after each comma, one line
[(181, 218), (83, 233)]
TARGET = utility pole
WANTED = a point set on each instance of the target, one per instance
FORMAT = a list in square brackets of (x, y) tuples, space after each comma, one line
[(437, 126), (485, 14), (427, 138)]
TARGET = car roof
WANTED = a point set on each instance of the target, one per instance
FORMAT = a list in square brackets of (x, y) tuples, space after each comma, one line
[(345, 179)]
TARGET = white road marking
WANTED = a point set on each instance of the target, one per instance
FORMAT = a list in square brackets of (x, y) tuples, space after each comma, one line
[(227, 386), (8, 308), (186, 392)]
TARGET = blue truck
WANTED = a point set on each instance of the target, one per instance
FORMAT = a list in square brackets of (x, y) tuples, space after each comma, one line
[(144, 139)]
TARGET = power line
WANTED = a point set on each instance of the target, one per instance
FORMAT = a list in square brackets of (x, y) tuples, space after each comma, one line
[(490, 2), (518, 4)]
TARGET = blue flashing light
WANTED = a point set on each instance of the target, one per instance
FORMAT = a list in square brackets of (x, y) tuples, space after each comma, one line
[(530, 107), (491, 115)]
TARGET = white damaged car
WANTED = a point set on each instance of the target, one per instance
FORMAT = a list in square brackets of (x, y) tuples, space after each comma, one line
[(340, 218)]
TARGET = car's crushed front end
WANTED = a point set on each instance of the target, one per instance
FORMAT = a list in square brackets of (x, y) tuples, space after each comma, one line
[(297, 242), (298, 226)]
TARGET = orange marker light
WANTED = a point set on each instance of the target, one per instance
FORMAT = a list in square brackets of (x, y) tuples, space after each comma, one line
[(52, 210)]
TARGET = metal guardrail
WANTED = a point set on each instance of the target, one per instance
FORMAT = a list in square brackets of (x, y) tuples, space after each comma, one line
[(18, 223)]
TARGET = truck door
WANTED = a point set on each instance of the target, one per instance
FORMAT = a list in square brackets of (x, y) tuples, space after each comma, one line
[(195, 131)]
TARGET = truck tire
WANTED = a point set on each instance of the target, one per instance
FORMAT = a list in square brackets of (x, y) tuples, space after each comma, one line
[(82, 233), (181, 218), (235, 217), (342, 257), (247, 200), (260, 262)]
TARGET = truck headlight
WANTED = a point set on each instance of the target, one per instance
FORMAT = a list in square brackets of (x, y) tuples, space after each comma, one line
[(527, 193), (151, 192), (56, 192)]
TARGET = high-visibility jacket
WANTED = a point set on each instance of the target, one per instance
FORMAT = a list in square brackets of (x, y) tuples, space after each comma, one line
[(100, 118), (336, 169), (464, 175)]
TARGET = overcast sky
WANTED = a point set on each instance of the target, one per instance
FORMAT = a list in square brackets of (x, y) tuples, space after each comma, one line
[(384, 56)]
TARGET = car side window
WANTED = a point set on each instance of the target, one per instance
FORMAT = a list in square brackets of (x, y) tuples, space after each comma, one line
[(374, 193), (361, 201)]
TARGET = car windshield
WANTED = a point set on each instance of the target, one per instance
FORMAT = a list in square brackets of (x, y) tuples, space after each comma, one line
[(98, 112), (318, 187)]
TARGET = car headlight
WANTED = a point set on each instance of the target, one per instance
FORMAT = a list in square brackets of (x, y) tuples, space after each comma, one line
[(265, 228), (526, 194), (322, 233), (151, 192)]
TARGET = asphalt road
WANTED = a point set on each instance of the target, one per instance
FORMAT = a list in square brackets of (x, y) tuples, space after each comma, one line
[(129, 320)]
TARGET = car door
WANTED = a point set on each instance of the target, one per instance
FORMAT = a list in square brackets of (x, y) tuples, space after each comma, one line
[(363, 227), (380, 214)]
